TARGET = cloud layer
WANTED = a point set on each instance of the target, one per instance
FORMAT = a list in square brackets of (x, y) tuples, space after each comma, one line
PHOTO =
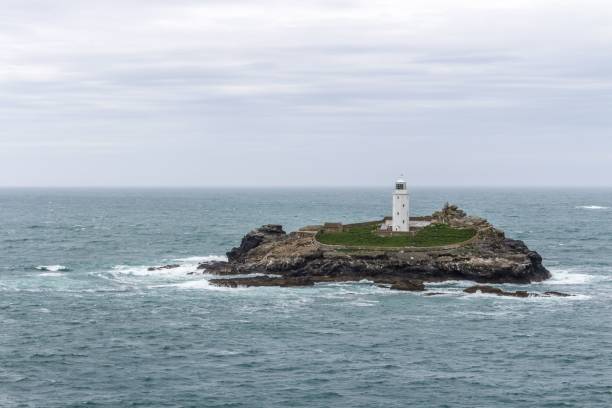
[(289, 92)]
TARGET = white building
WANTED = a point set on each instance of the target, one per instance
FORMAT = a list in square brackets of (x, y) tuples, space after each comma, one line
[(401, 207)]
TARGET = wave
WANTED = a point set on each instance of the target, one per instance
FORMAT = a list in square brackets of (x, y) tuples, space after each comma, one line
[(571, 277), (201, 259), (592, 207), (198, 284), (51, 274), (52, 268), (530, 299), (202, 282), (178, 267), (451, 283), (145, 270)]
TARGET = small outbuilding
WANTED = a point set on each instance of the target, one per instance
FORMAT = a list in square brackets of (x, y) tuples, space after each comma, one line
[(332, 227)]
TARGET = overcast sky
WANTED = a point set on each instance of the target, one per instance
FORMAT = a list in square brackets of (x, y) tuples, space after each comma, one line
[(294, 92)]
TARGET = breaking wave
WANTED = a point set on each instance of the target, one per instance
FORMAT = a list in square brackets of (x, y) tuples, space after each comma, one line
[(174, 267), (52, 268), (201, 283), (51, 274), (592, 207), (571, 277)]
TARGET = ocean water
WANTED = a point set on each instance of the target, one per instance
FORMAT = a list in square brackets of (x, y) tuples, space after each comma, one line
[(83, 323)]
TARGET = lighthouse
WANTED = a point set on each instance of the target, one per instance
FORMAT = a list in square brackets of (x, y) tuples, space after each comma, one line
[(401, 207)]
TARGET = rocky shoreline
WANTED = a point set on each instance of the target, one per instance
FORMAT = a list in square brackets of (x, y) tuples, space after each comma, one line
[(298, 259)]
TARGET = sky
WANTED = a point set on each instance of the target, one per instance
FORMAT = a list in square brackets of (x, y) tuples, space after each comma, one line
[(231, 93)]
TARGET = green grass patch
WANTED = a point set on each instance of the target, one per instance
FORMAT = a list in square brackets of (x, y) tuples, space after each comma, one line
[(365, 235)]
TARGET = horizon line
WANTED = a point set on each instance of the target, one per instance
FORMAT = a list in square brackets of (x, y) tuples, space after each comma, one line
[(308, 186)]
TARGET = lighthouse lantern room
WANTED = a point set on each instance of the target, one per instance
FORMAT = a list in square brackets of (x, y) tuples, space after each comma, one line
[(401, 207)]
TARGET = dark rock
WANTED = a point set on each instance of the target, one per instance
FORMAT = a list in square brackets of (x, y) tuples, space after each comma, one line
[(448, 213), (554, 293), (207, 264), (483, 289), (216, 268), (518, 293), (159, 268), (263, 281), (412, 285), (495, 291), (433, 293), (263, 234)]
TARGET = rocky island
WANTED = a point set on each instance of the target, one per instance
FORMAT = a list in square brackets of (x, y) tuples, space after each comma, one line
[(448, 245)]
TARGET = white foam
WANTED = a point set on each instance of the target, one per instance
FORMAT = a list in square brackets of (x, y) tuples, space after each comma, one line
[(364, 303), (185, 266), (566, 277), (592, 207), (51, 274), (451, 283), (441, 293), (349, 290), (119, 271), (194, 284), (202, 284), (52, 268), (532, 299), (200, 259)]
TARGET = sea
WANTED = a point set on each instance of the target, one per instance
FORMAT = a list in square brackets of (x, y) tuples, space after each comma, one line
[(85, 323)]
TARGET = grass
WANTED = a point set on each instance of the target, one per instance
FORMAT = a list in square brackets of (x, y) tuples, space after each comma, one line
[(364, 236)]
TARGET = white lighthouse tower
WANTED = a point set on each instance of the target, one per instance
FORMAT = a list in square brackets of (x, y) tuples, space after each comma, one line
[(401, 207)]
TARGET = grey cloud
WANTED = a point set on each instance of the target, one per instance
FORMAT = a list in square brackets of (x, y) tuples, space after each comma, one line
[(215, 88)]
